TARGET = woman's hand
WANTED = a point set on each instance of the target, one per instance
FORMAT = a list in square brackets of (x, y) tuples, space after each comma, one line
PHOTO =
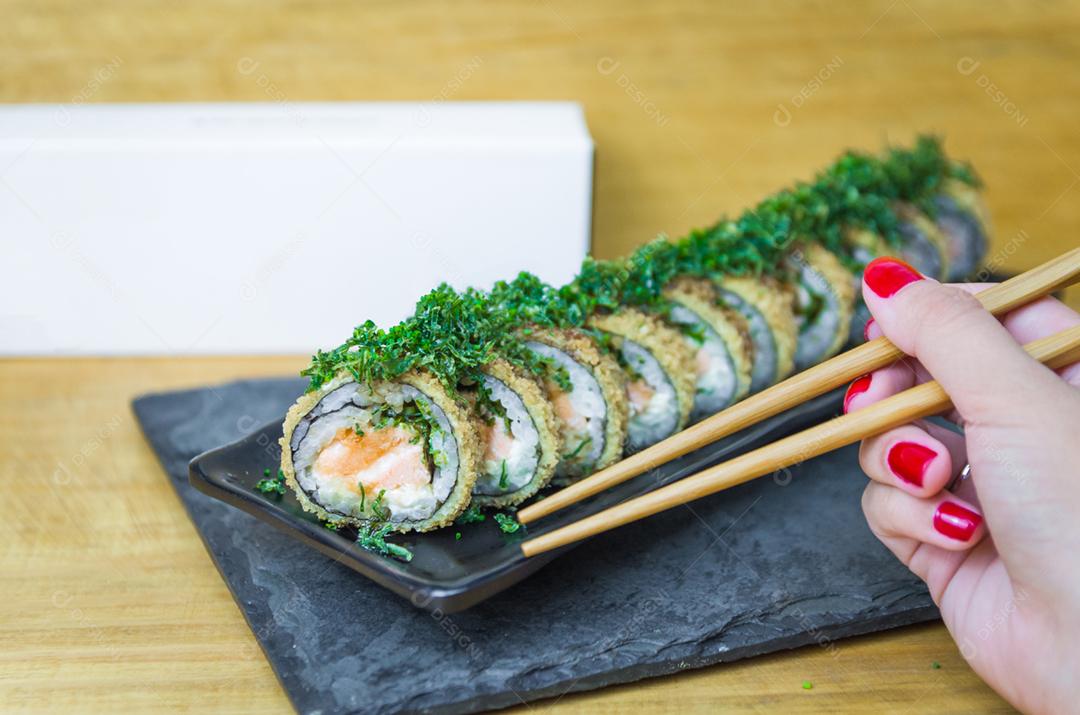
[(1001, 553)]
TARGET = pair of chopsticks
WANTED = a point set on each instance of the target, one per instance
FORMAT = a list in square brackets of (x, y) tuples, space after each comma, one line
[(922, 401)]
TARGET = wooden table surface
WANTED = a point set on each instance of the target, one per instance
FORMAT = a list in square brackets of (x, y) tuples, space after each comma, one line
[(698, 108)]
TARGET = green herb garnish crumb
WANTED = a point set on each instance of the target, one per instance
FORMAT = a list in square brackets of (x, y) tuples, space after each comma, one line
[(807, 685), (374, 539), (577, 450), (271, 486), (508, 524), (382, 513), (472, 515), (457, 536), (935, 665)]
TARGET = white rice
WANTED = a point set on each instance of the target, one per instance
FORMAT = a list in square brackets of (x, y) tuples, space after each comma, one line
[(714, 388), (350, 405), (524, 454), (814, 337), (587, 400), (660, 417)]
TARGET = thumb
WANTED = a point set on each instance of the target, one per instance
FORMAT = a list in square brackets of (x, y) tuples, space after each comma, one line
[(989, 377)]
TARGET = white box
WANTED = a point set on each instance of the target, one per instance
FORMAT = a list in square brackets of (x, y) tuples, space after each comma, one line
[(273, 227)]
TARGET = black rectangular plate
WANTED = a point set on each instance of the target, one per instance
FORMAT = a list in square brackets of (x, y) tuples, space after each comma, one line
[(448, 573)]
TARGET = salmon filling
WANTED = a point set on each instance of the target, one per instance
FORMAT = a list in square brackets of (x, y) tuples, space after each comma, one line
[(383, 459), (640, 393)]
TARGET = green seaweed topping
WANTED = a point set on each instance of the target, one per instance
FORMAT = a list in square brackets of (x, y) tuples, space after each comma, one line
[(451, 334), (598, 287), (507, 524), (860, 190), (527, 300), (272, 486), (577, 450), (380, 512), (472, 515), (373, 538), (504, 476)]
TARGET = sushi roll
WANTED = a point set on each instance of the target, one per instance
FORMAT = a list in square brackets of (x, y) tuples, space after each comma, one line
[(520, 437), (922, 244), (660, 372), (865, 247), (591, 407), (401, 452), (963, 219), (720, 340), (824, 303), (767, 307)]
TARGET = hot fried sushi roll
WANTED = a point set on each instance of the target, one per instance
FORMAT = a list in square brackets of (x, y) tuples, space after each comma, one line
[(866, 246), (590, 404), (924, 245), (403, 452), (720, 340), (767, 307), (520, 437), (585, 384), (660, 370), (962, 218), (824, 302)]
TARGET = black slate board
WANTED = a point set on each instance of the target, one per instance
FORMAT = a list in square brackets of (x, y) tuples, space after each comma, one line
[(774, 564)]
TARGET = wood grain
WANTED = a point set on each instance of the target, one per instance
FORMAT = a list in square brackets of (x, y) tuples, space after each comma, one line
[(681, 98)]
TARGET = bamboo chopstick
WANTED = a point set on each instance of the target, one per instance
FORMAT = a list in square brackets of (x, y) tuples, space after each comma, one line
[(921, 401), (817, 380)]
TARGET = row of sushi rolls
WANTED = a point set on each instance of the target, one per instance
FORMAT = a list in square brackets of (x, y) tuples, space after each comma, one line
[(484, 397)]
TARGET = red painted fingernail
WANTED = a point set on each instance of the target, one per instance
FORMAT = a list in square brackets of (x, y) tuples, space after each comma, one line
[(955, 521), (866, 329), (909, 460), (886, 275), (858, 387)]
